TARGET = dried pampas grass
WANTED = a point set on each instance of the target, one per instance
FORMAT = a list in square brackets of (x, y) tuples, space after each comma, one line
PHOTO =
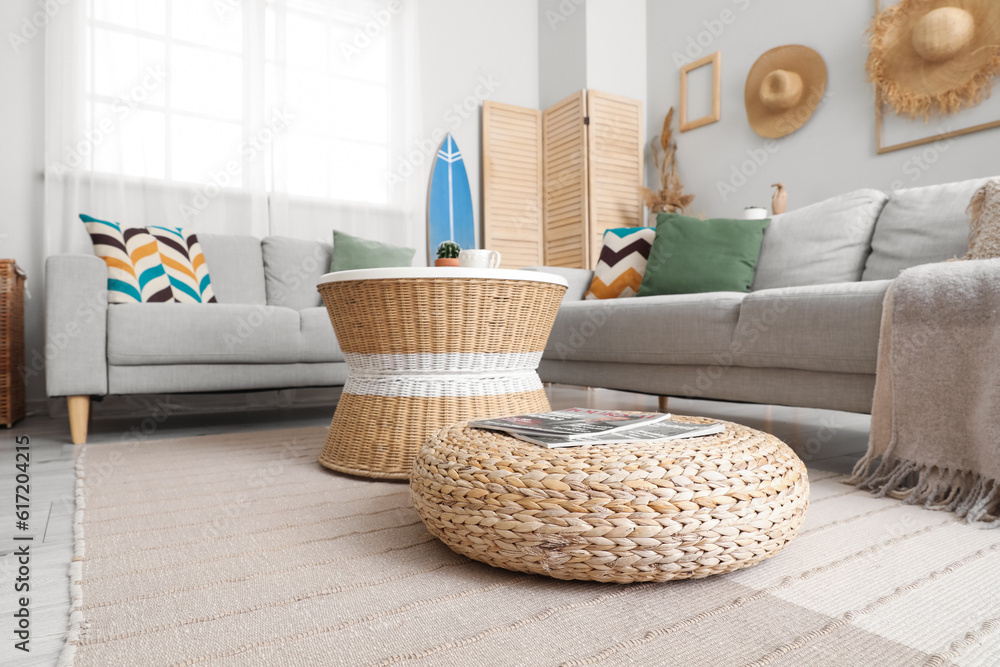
[(670, 198)]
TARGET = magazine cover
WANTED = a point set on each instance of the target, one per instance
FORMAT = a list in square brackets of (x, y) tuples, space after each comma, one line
[(663, 430), (571, 423)]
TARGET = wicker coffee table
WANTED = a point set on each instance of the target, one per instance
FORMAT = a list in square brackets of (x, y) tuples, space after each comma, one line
[(429, 347), (681, 509)]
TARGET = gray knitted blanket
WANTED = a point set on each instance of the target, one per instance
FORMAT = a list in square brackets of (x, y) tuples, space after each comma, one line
[(935, 437)]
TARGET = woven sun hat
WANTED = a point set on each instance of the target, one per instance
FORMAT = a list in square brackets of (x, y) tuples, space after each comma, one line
[(783, 89), (935, 55)]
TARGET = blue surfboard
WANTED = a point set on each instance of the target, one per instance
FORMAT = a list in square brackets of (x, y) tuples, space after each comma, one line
[(449, 207)]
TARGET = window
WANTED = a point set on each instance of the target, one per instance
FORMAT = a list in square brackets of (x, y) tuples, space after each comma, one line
[(242, 93)]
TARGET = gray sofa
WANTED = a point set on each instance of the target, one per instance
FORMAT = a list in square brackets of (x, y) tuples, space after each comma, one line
[(806, 334), (268, 331)]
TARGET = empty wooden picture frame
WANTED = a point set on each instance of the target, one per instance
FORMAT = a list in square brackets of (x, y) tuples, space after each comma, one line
[(715, 60)]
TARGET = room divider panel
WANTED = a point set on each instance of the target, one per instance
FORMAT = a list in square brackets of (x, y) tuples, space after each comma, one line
[(556, 180)]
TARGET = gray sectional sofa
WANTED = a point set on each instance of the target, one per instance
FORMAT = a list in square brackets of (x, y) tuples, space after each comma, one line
[(807, 333)]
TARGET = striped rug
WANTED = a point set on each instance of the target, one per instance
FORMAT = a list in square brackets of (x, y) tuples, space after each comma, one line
[(242, 550)]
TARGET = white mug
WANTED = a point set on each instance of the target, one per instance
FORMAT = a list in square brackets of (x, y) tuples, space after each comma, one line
[(479, 259)]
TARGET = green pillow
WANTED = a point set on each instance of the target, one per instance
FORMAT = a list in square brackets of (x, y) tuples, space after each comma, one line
[(351, 252), (691, 255)]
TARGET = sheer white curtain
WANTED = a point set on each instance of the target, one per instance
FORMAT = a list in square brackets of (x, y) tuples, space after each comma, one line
[(258, 117)]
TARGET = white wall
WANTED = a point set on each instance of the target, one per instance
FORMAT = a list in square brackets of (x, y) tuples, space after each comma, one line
[(21, 76), (595, 44), (834, 152), (616, 47), (473, 50), (562, 49)]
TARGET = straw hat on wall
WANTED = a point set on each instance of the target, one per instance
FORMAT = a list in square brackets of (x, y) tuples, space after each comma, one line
[(935, 55), (783, 89)]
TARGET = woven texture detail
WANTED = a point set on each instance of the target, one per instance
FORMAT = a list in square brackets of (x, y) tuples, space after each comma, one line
[(440, 385), (379, 436), (12, 392), (428, 352), (681, 509), (443, 362), (434, 315)]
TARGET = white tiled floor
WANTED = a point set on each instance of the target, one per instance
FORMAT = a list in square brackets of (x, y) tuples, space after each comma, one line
[(826, 440)]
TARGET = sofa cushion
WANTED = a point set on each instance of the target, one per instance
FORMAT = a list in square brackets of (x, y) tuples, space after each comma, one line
[(826, 242), (194, 333), (185, 264), (920, 226), (353, 252), (317, 340), (696, 256), (818, 327), (292, 268), (624, 253), (132, 261), (237, 267), (579, 280), (671, 329)]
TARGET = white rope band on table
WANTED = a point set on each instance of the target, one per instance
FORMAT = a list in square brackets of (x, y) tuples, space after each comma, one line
[(443, 363), (440, 386)]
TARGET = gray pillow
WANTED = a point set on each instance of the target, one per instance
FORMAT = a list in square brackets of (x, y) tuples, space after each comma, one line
[(921, 226), (292, 267), (826, 242)]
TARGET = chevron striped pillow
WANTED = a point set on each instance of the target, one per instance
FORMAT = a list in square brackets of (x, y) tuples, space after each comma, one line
[(622, 263), (185, 265), (135, 272)]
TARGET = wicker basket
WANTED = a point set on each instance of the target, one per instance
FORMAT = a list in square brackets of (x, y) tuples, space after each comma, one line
[(426, 352), (653, 511), (12, 405)]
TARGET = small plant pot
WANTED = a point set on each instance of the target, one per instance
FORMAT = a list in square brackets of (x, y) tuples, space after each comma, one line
[(446, 261)]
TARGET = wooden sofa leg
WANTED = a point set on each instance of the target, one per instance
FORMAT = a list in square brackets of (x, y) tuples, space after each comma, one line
[(79, 415), (662, 403)]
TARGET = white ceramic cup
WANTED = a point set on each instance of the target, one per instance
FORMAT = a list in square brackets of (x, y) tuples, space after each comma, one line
[(479, 259)]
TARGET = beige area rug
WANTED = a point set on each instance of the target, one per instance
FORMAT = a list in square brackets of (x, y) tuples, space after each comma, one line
[(242, 550)]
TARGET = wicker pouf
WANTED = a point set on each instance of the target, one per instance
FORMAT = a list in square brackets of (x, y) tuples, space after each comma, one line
[(429, 347), (680, 509)]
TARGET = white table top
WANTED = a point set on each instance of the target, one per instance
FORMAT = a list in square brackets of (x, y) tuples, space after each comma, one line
[(443, 272)]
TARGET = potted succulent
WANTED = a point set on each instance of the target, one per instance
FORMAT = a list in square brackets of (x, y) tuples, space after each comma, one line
[(447, 254)]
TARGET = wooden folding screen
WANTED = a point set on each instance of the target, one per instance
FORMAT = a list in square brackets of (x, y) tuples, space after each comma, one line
[(565, 182), (553, 182), (614, 166), (512, 184)]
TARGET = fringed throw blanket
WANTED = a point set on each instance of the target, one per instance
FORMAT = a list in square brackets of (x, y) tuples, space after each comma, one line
[(936, 414)]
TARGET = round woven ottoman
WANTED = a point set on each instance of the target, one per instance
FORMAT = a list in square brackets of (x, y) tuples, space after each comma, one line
[(428, 347), (680, 509)]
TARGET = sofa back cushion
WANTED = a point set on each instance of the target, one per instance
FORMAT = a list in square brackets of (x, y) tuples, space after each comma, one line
[(237, 267), (823, 243), (921, 226), (292, 267)]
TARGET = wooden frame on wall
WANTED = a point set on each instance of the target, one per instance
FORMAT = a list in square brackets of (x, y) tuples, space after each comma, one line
[(715, 60), (879, 114)]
